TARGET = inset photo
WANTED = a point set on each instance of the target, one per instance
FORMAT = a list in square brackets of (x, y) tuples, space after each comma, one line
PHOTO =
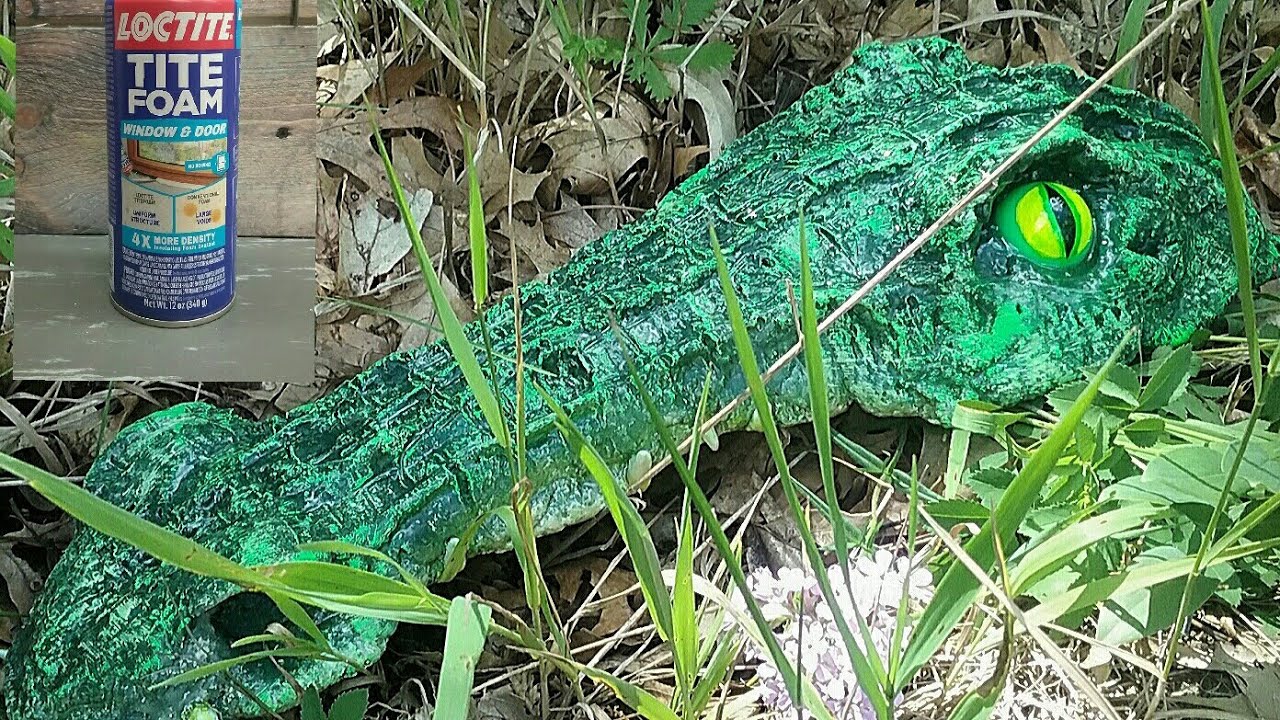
[(165, 210)]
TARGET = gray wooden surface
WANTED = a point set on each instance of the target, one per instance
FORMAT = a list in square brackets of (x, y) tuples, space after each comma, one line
[(66, 327), (297, 12), (61, 140)]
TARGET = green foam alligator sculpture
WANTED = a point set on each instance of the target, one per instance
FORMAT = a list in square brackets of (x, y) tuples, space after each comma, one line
[(1116, 219)]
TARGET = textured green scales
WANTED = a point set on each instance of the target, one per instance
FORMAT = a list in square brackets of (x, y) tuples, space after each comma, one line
[(400, 459)]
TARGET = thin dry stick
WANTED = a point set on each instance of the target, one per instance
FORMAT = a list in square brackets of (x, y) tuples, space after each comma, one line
[(444, 49), (1086, 687), (951, 214)]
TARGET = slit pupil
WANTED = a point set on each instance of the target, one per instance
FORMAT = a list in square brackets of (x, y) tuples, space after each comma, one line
[(1066, 221)]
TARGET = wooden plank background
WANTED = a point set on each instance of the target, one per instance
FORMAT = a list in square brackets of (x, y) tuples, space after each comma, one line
[(87, 12), (61, 141)]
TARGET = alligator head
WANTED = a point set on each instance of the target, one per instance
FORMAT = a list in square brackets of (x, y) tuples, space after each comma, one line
[(1117, 219)]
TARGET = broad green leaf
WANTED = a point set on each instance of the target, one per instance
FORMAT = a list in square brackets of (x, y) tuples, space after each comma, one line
[(1132, 579), (463, 642), (1168, 379), (1183, 474), (714, 55), (9, 54), (1146, 431), (1123, 384), (312, 708), (685, 15), (351, 705), (958, 589), (950, 513), (1128, 616)]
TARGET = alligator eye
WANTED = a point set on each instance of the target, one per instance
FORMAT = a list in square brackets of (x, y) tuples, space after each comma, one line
[(1047, 222)]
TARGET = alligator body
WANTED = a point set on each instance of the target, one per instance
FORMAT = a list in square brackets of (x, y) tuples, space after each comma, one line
[(400, 458)]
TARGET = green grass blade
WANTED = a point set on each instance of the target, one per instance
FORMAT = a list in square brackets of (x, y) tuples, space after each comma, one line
[(1130, 33), (298, 616), (1069, 541), (638, 699), (214, 668), (1236, 218), (9, 54), (1211, 26), (340, 547), (108, 519), (635, 534), (759, 626), (818, 402), (1132, 580), (1259, 76), (459, 345), (463, 642), (958, 589), (684, 615), (476, 226), (867, 666)]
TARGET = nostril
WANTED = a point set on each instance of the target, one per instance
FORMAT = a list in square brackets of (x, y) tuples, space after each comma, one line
[(1147, 245)]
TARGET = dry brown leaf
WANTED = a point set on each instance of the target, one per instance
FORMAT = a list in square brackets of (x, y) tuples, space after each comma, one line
[(531, 241), (904, 19), (398, 81), (1252, 138), (1021, 53), (500, 184), (370, 243), (981, 9), (989, 53), (409, 159), (345, 143), (571, 225), (616, 587), (577, 157), (20, 580), (1055, 48), (414, 302), (685, 159), (715, 114), (434, 113), (346, 349), (1177, 96), (349, 81)]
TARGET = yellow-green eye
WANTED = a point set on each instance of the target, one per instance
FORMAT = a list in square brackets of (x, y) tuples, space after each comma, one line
[(1047, 222)]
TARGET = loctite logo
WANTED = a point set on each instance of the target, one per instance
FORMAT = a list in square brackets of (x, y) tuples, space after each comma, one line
[(176, 27)]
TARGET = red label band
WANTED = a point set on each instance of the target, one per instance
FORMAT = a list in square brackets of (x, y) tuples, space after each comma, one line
[(167, 25)]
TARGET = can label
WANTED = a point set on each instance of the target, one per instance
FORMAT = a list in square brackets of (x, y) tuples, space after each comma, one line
[(173, 97)]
